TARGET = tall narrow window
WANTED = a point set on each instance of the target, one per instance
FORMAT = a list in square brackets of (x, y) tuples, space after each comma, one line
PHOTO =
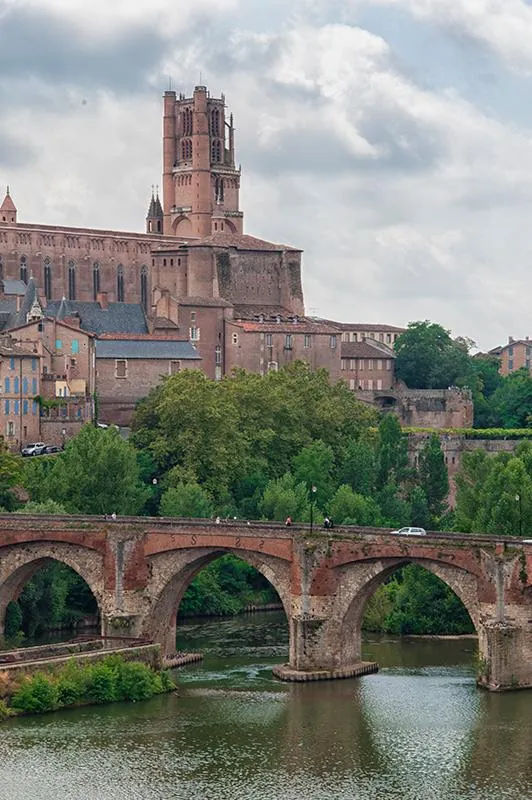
[(219, 190), (71, 280), (186, 150), (187, 122), (1, 269), (120, 283), (144, 287), (95, 280), (216, 151), (23, 269), (215, 122), (47, 278)]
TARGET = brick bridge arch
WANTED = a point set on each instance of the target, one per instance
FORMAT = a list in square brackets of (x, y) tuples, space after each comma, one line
[(19, 563), (171, 573)]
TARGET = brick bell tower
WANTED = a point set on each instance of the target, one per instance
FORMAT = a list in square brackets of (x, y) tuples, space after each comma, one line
[(200, 180)]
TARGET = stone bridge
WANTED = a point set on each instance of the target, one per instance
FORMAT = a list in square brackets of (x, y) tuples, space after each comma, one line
[(138, 569)]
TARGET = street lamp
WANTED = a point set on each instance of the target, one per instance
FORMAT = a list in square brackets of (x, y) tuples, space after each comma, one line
[(313, 490), (519, 500)]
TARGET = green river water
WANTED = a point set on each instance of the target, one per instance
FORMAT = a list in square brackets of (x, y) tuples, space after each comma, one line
[(417, 730)]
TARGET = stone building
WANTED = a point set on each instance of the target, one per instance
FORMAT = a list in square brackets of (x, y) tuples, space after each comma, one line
[(19, 385)]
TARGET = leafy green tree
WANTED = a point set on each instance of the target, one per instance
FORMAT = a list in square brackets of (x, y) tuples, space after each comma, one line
[(44, 507), (469, 480), (358, 468), (505, 500), (419, 508), (97, 473), (353, 509), (485, 379), (433, 476), (186, 500), (395, 510), (314, 466), (283, 498), (427, 357), (10, 477), (511, 402), (392, 452)]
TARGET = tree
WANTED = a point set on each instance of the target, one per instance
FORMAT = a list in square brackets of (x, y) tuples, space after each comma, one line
[(186, 500), (97, 473), (511, 402), (283, 498), (419, 508), (10, 476), (314, 466), (433, 475), (358, 468), (353, 509), (427, 357), (392, 452)]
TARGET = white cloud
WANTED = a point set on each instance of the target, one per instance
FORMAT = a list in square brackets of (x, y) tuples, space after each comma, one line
[(505, 26)]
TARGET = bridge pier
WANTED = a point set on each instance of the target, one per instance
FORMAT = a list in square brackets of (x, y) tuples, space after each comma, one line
[(505, 656)]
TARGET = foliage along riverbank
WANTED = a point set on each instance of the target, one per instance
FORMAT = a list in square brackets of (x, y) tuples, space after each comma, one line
[(110, 680)]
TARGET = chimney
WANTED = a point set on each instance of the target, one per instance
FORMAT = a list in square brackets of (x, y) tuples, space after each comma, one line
[(101, 298), (510, 339), (74, 322)]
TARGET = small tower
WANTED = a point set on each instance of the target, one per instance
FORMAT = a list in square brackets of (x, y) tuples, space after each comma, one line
[(201, 182), (8, 210), (155, 216)]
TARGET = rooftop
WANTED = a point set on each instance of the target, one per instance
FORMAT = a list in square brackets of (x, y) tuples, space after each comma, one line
[(147, 348)]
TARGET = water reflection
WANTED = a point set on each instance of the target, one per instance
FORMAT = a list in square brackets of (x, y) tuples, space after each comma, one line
[(418, 730)]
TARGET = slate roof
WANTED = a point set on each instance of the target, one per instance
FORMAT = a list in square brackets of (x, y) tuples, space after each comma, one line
[(361, 326), (240, 241), (116, 318), (10, 286), (147, 348), (366, 349)]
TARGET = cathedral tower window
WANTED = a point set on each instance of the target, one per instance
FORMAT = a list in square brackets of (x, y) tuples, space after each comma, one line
[(186, 150), (23, 269), (216, 151), (144, 287), (215, 123), (95, 280), (71, 280), (219, 190), (187, 122), (47, 278), (120, 283)]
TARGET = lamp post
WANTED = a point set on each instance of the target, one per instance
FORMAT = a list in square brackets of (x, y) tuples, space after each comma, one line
[(519, 500), (313, 490)]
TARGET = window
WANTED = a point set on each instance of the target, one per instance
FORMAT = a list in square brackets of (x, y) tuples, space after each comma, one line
[(343, 364), (75, 346), (24, 386), (352, 383), (215, 122), (268, 339), (219, 190), (186, 150), (95, 280), (187, 122), (354, 336), (23, 269), (71, 280), (120, 368), (11, 363), (332, 342), (175, 366), (379, 363), (16, 407), (306, 340), (25, 407), (379, 384), (33, 364), (144, 287), (345, 337), (370, 384), (216, 151), (58, 344), (388, 363), (370, 363), (234, 338), (288, 341), (510, 363), (47, 279), (6, 406), (510, 351), (7, 385), (361, 363), (381, 337), (10, 428), (34, 408), (34, 386), (15, 386), (218, 355), (388, 338)]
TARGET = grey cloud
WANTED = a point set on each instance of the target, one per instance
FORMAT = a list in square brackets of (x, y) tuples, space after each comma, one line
[(14, 153)]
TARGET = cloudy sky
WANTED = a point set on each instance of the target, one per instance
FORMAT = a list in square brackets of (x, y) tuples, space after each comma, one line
[(390, 139)]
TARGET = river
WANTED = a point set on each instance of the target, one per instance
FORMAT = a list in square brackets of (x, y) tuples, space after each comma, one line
[(417, 730)]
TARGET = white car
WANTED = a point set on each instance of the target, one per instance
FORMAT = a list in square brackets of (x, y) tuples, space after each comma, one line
[(411, 532), (34, 449)]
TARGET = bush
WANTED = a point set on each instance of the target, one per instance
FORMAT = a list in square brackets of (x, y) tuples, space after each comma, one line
[(36, 695), (136, 682), (5, 711), (102, 683), (69, 691)]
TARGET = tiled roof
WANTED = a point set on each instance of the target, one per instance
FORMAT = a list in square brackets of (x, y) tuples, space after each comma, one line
[(146, 348), (8, 204), (240, 241), (196, 300), (366, 349), (303, 326), (501, 348), (248, 311), (116, 318)]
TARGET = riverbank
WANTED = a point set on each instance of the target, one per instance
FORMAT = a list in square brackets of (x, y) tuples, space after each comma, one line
[(102, 679)]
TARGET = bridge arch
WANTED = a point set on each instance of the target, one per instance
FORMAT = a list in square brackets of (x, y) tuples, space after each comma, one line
[(19, 563), (172, 574), (357, 583)]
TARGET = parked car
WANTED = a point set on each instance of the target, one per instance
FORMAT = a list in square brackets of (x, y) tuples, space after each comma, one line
[(411, 532), (34, 449), (52, 448)]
